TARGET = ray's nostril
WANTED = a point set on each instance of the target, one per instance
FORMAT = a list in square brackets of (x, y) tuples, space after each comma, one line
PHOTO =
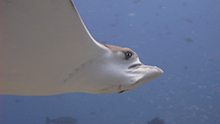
[(134, 66)]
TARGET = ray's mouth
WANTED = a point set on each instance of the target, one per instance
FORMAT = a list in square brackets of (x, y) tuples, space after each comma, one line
[(135, 66)]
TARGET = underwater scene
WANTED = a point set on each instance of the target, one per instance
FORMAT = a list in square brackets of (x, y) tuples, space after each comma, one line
[(182, 37)]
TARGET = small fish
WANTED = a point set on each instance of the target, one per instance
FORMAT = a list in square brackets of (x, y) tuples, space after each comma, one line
[(189, 40), (17, 101), (136, 1), (61, 120), (156, 120), (188, 20)]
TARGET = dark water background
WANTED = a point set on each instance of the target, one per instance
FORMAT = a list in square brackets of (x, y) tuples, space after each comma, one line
[(180, 36)]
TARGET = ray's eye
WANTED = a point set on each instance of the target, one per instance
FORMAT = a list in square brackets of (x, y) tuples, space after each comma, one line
[(128, 55)]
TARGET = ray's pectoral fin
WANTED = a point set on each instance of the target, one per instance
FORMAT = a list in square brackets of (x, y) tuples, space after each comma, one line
[(42, 43)]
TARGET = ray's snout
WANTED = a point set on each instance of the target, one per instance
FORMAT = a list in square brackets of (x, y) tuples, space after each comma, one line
[(151, 72), (160, 71), (142, 74), (147, 69)]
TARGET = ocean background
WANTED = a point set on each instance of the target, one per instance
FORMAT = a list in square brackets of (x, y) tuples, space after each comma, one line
[(180, 36)]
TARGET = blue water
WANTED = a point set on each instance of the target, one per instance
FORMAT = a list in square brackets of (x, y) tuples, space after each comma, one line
[(180, 36)]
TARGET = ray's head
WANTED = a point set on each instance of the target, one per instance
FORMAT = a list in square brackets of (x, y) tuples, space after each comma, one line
[(131, 73)]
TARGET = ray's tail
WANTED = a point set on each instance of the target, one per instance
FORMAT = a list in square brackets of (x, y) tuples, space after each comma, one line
[(47, 120)]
